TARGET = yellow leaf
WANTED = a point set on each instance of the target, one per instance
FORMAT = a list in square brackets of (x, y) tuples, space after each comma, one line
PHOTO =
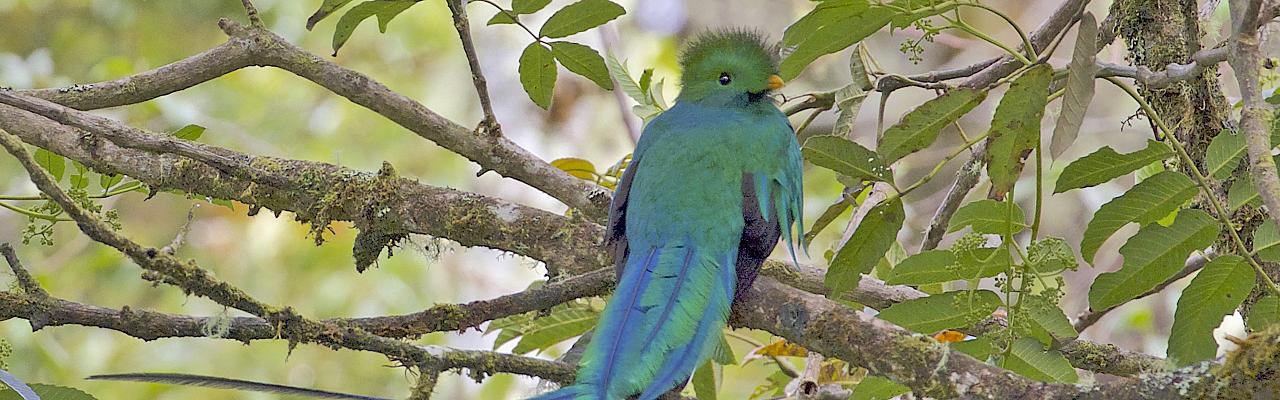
[(619, 167), (834, 371), (579, 168), (779, 348), (949, 336)]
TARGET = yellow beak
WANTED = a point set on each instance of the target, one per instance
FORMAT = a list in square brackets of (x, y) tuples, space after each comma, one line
[(775, 82)]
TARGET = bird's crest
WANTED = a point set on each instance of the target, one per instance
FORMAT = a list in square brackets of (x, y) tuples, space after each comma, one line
[(741, 45)]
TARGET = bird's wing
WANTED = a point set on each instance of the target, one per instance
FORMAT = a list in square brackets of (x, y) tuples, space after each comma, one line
[(615, 236)]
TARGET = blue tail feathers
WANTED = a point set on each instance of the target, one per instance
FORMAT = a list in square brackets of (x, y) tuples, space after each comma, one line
[(662, 322)]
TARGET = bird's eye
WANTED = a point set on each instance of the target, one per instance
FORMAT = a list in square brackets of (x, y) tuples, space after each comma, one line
[(725, 78)]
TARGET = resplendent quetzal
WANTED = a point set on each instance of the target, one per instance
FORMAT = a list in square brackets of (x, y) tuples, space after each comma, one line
[(713, 183)]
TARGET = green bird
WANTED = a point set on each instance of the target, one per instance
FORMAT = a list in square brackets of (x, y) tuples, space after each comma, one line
[(712, 185)]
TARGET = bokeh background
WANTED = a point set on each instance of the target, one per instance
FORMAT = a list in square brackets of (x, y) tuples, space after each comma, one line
[(50, 43)]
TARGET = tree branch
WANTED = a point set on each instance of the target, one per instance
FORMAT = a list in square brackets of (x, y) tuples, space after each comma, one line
[(930, 369), (1245, 61), (319, 193), (249, 45), (192, 279)]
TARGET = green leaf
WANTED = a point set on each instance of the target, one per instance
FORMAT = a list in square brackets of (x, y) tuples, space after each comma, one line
[(501, 18), (546, 331), (774, 386), (942, 311), (982, 262), (1075, 102), (706, 381), (108, 181), (646, 79), (385, 10), (940, 266), (920, 127), (1147, 202), (189, 132), (1242, 192), (871, 240), (828, 216), (1215, 291), (326, 8), (832, 26), (723, 354), (582, 60), (846, 157), (1028, 358), (637, 92), (1015, 127), (51, 162), (1224, 154), (989, 216), (905, 20), (1048, 322), (528, 6), (49, 392), (580, 16), (79, 181), (538, 73), (1149, 170), (877, 388), (848, 99), (1153, 256), (655, 94), (930, 266), (1265, 312), (1266, 241), (1105, 164)]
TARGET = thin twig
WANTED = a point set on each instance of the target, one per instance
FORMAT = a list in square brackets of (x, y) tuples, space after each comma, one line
[(490, 124), (181, 237), (966, 179), (252, 12), (25, 280)]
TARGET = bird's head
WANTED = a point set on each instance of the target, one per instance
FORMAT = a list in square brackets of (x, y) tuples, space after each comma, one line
[(728, 67)]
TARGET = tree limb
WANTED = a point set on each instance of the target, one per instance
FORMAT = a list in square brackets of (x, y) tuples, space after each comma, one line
[(1245, 61), (249, 45)]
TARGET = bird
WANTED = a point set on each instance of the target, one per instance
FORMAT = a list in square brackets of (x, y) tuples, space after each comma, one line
[(714, 183)]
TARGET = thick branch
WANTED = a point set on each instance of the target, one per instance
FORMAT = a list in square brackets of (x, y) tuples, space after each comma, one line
[(192, 279), (218, 61), (1245, 60), (931, 369), (151, 325), (1173, 73), (320, 193)]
